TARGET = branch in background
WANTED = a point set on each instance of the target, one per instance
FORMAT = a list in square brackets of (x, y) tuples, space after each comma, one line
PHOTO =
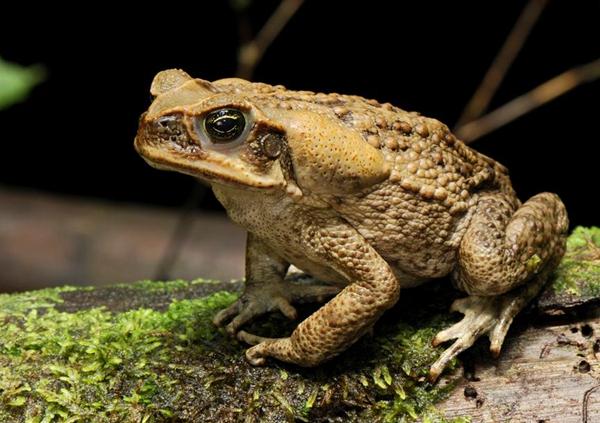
[(251, 53), (180, 233), (502, 62), (525, 103)]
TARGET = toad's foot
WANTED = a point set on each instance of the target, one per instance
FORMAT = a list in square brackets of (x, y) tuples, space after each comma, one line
[(483, 315), (267, 347), (262, 346), (259, 300)]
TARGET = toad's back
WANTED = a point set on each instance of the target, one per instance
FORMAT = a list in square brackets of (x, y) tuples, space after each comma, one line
[(425, 157)]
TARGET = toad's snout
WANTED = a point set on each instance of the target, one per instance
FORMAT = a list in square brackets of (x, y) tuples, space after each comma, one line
[(168, 128), (168, 132)]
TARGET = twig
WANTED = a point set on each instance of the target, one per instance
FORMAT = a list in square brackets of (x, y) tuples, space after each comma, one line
[(502, 62), (525, 103), (586, 400), (180, 233), (252, 52)]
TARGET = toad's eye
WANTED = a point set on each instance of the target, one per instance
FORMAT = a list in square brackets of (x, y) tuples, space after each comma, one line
[(224, 124)]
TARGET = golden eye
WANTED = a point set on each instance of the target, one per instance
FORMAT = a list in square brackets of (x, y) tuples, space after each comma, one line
[(224, 124)]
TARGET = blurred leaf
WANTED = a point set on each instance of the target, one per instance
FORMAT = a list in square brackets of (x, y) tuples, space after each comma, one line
[(17, 81)]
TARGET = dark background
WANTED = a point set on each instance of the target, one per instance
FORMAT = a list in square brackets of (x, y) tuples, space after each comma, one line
[(74, 134)]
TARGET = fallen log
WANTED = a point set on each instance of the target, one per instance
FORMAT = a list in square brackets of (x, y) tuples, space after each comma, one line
[(148, 352)]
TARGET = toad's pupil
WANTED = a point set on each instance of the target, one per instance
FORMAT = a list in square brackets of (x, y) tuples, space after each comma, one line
[(225, 124)]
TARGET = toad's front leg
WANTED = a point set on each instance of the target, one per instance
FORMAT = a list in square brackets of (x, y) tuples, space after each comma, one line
[(350, 314), (266, 291)]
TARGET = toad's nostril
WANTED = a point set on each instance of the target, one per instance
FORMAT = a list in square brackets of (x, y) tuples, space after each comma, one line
[(166, 121)]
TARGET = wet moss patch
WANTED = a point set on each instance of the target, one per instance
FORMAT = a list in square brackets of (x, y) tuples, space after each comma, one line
[(579, 271), (93, 365), (156, 295), (149, 352), (576, 281)]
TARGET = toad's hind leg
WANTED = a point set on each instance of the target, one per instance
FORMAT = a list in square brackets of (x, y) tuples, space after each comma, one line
[(505, 258)]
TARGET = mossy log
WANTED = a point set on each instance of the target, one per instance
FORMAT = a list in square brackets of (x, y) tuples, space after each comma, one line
[(148, 352)]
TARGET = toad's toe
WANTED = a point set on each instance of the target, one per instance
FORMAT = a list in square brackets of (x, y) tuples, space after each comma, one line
[(250, 338), (255, 355), (483, 315)]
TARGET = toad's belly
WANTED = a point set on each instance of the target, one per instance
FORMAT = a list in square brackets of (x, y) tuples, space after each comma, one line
[(415, 253), (316, 269), (327, 274), (417, 246)]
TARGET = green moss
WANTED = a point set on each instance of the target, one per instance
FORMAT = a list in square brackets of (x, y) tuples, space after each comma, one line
[(400, 363), (93, 364), (16, 305), (579, 271), (148, 286), (169, 364)]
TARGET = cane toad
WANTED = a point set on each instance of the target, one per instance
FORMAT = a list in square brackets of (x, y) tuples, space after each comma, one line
[(364, 196)]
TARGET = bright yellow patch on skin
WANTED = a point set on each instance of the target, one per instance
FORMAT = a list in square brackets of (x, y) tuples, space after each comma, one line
[(533, 263)]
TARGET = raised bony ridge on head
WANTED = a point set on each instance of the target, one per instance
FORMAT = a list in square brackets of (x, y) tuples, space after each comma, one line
[(175, 88), (167, 80)]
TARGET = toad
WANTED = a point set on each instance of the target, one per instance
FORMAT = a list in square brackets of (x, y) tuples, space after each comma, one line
[(365, 197)]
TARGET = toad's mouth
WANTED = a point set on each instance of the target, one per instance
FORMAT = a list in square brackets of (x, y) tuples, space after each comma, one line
[(209, 166)]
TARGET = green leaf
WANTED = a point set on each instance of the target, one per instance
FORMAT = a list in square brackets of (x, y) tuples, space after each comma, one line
[(91, 367), (166, 412), (311, 399), (115, 360), (386, 374), (400, 391), (18, 401), (363, 380), (17, 81), (377, 378)]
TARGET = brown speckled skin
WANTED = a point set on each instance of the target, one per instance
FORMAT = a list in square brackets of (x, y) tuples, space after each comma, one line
[(359, 194)]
